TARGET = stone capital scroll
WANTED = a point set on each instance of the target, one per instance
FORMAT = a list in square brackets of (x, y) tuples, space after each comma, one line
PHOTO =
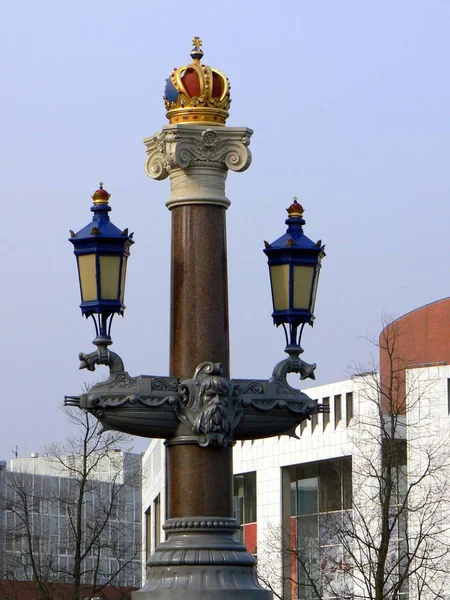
[(197, 159)]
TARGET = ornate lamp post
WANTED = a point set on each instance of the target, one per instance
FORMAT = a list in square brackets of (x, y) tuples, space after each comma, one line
[(198, 409), (294, 265), (101, 250)]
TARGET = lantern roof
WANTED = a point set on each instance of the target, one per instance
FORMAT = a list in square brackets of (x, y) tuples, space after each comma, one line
[(100, 227), (294, 238)]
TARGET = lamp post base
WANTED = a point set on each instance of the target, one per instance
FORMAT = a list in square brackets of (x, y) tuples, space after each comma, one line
[(201, 560)]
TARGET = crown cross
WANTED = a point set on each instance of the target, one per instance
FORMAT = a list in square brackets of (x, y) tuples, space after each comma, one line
[(197, 42)]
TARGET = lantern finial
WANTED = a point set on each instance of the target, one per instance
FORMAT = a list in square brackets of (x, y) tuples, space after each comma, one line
[(295, 210), (101, 196)]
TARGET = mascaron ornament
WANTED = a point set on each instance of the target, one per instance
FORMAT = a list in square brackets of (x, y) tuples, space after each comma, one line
[(197, 93)]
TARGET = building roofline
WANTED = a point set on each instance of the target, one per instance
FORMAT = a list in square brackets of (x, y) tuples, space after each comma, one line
[(415, 310)]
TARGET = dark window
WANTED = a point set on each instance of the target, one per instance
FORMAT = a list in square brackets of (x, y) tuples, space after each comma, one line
[(335, 485), (245, 498), (349, 406), (321, 487), (326, 415), (157, 516), (148, 532), (337, 409)]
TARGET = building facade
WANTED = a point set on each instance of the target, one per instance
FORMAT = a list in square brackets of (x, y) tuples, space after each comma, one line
[(359, 503), (41, 501)]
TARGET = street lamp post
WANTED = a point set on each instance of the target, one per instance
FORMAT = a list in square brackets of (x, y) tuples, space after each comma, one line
[(198, 409)]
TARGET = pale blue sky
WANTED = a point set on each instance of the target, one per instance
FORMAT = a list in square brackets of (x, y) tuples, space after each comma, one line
[(349, 101)]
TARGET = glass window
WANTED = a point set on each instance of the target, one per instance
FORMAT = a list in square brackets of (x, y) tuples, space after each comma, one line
[(307, 495), (245, 497), (330, 488), (148, 532), (157, 515), (320, 499)]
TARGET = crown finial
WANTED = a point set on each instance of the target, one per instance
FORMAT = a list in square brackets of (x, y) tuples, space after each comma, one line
[(197, 52), (295, 210), (197, 93), (101, 196)]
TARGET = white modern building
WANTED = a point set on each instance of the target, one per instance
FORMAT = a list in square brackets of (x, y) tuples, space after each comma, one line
[(39, 504), (362, 498)]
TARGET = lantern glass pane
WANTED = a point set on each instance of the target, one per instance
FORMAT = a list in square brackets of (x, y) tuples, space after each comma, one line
[(279, 275), (109, 277), (303, 282), (122, 279), (314, 294), (88, 279)]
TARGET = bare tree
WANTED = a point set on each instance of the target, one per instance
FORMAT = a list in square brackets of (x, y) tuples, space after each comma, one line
[(388, 539), (22, 557), (69, 526)]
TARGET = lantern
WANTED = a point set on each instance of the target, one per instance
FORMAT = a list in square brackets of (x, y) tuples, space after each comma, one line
[(294, 264), (101, 250)]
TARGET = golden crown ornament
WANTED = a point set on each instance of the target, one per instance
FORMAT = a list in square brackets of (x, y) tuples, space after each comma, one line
[(197, 93)]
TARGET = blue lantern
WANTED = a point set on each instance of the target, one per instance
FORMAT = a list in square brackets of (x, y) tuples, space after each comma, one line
[(294, 263), (102, 250)]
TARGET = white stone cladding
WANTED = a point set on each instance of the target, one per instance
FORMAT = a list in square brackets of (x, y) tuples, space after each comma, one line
[(428, 430)]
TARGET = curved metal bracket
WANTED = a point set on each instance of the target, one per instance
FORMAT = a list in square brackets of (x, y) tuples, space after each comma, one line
[(288, 365), (102, 356), (294, 364)]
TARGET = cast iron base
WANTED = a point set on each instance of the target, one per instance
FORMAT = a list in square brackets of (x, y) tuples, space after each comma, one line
[(201, 560)]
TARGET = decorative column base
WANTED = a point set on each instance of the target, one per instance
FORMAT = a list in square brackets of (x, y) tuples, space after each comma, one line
[(201, 560)]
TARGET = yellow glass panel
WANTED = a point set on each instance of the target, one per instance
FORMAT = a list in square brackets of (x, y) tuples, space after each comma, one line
[(88, 279), (122, 279), (303, 280), (316, 283), (279, 275), (109, 277)]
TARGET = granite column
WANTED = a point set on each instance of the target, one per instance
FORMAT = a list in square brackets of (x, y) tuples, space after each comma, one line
[(197, 159)]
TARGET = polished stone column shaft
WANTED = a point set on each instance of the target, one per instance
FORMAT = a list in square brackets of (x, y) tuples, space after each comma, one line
[(197, 160)]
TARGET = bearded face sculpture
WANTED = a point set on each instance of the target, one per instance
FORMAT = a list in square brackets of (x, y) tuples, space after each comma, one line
[(214, 415)]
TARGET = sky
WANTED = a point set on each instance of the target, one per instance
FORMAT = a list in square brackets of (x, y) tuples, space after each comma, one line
[(349, 103)]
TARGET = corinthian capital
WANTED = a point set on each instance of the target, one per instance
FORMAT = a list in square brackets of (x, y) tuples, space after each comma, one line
[(197, 158), (184, 146)]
